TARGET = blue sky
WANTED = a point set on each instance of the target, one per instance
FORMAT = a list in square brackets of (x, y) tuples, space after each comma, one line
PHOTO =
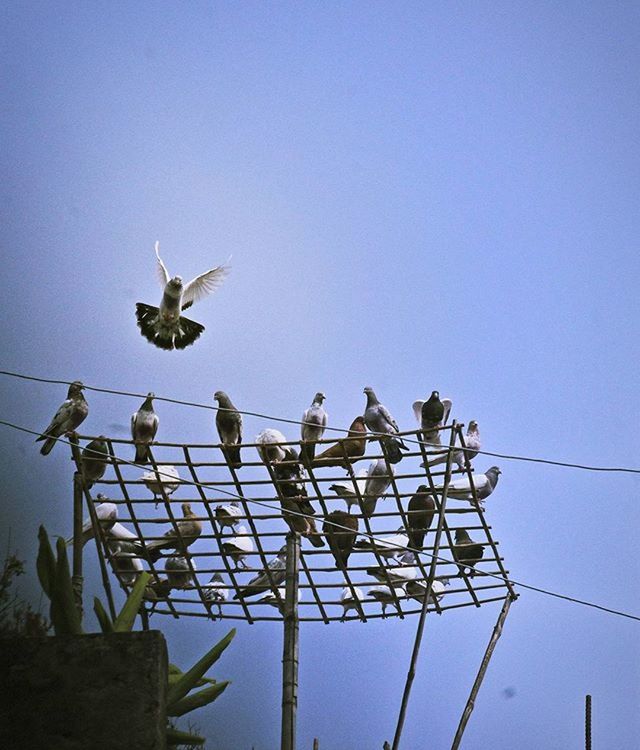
[(416, 196)]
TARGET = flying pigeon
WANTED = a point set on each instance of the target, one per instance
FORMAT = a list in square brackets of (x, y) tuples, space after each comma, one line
[(417, 589), (215, 592), (354, 445), (185, 533), (349, 601), (228, 514), (125, 563), (163, 479), (70, 415), (388, 595), (297, 517), (106, 515), (466, 552), (432, 414), (165, 326), (314, 423), (268, 445), (144, 425), (277, 571), (422, 508), (400, 573), (238, 546), (346, 490), (340, 540), (460, 488), (378, 480), (388, 546), (229, 426), (94, 460), (472, 442), (178, 572)]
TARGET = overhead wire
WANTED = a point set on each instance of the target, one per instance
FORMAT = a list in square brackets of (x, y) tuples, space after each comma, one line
[(372, 537)]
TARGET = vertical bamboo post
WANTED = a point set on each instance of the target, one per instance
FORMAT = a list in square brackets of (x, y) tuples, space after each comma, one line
[(76, 578), (290, 649), (497, 632), (587, 722)]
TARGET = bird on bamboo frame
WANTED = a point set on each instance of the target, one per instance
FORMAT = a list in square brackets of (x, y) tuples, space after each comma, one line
[(353, 447)]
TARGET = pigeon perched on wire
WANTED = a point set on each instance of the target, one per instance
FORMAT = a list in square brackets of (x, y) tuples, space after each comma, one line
[(228, 514), (386, 595), (94, 460), (387, 545), (379, 420), (314, 423), (485, 484), (182, 535), (269, 445), (422, 508), (351, 598), (466, 552), (354, 446), (347, 491), (215, 592), (72, 412), (165, 326), (238, 547), (378, 480), (273, 575), (106, 514), (178, 571), (144, 425), (340, 540), (229, 426)]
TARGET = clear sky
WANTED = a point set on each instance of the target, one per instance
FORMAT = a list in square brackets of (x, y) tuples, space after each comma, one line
[(416, 196)]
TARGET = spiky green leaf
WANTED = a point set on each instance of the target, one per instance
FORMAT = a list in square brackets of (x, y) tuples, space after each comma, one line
[(197, 700), (124, 621), (69, 617), (176, 737), (45, 563), (103, 618)]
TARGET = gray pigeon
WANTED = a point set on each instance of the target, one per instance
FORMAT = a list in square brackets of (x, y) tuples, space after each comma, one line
[(314, 423), (377, 416), (277, 573), (144, 425), (485, 484), (378, 480), (94, 460), (215, 592), (165, 326), (472, 443), (178, 572), (229, 426), (125, 563), (70, 415)]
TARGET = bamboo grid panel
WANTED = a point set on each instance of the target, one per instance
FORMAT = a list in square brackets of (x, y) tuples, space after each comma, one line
[(208, 481)]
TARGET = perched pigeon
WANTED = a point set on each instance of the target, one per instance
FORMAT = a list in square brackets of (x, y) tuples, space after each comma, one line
[(275, 601), (106, 515), (289, 475), (185, 533), (346, 490), (229, 426), (417, 589), (378, 481), (460, 489), (144, 425), (70, 415), (238, 547), (273, 575), (472, 442), (401, 572), (379, 420), (165, 326), (431, 415), (422, 508), (466, 552), (354, 445), (178, 572), (388, 595), (215, 592), (125, 563), (228, 514), (121, 533), (165, 479), (314, 422), (388, 546), (94, 460), (349, 601), (296, 515), (156, 589), (340, 540), (269, 446)]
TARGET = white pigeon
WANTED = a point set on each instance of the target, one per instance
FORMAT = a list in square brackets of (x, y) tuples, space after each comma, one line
[(164, 478), (460, 488), (314, 423), (178, 571), (228, 514), (378, 481), (346, 491), (70, 414), (106, 515), (238, 547), (270, 598), (144, 425), (417, 589), (125, 563), (268, 445), (400, 573), (121, 533), (349, 601), (472, 443), (273, 575), (215, 592), (165, 326), (386, 596), (387, 545)]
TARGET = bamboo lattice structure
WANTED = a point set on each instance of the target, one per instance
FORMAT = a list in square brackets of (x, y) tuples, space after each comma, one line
[(208, 480)]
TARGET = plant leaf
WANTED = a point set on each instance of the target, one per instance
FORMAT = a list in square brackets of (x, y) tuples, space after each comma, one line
[(124, 621), (45, 563), (103, 618), (188, 680), (176, 737), (63, 593), (197, 700)]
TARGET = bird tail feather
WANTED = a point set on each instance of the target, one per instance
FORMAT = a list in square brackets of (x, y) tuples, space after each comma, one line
[(177, 336), (48, 444), (142, 454)]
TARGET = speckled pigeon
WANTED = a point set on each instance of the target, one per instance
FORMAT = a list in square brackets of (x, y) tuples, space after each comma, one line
[(70, 415)]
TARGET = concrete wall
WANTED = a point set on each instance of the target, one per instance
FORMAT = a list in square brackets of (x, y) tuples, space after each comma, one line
[(99, 692)]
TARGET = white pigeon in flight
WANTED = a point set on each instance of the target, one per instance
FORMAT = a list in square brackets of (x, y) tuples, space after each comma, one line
[(165, 326)]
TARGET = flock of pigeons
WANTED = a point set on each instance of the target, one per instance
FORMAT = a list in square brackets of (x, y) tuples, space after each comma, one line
[(398, 576)]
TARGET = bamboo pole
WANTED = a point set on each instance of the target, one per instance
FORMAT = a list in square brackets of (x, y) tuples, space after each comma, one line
[(290, 648), (587, 722), (76, 578)]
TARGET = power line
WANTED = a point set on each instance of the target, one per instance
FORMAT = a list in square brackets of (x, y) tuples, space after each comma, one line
[(371, 537), (441, 448)]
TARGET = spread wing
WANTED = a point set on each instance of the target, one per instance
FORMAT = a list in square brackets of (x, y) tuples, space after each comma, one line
[(417, 410), (161, 269), (204, 284)]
